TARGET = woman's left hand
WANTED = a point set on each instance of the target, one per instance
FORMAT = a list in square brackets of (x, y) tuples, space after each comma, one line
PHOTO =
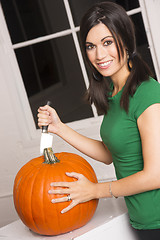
[(78, 191)]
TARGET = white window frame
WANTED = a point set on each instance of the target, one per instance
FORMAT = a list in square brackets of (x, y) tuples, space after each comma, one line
[(15, 82), (151, 18)]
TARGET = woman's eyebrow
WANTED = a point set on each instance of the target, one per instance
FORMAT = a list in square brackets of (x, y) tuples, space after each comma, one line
[(106, 37), (101, 39), (89, 43)]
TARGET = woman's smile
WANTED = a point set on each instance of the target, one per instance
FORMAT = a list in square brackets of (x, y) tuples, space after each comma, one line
[(104, 65)]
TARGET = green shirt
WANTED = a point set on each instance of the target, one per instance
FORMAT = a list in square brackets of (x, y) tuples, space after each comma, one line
[(119, 132)]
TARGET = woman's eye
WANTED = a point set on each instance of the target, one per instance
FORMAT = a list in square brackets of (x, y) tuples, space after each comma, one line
[(89, 47), (106, 43)]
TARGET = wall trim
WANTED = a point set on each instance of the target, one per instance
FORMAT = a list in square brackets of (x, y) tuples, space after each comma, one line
[(6, 195)]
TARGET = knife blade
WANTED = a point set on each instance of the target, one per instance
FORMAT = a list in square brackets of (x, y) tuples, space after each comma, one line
[(46, 138)]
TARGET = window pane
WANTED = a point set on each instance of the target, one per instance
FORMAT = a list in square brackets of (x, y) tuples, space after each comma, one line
[(79, 7), (128, 4), (51, 71), (33, 18), (142, 42)]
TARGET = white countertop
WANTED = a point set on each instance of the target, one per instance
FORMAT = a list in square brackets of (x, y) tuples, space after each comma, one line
[(110, 222)]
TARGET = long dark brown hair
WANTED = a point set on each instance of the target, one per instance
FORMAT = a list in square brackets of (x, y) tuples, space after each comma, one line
[(123, 32)]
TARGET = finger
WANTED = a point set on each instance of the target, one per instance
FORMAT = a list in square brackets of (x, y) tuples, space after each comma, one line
[(74, 174), (60, 184), (73, 204), (43, 123), (45, 108), (43, 120), (42, 108), (58, 200), (59, 191), (44, 111), (43, 114)]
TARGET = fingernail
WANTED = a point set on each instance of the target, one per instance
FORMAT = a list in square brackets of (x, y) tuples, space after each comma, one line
[(62, 211), (49, 191), (52, 201)]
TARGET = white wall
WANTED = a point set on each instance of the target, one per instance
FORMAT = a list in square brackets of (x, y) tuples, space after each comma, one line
[(13, 154)]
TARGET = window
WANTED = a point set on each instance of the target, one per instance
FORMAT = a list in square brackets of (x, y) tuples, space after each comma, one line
[(79, 7), (44, 34)]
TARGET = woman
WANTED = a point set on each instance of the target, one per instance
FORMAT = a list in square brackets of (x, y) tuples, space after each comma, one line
[(130, 130)]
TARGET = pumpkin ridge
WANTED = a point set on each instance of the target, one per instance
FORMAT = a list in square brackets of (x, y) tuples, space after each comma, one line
[(56, 207), (31, 207), (47, 168), (81, 160), (92, 177), (43, 176), (43, 201), (20, 184), (69, 219), (72, 179), (21, 197), (78, 223)]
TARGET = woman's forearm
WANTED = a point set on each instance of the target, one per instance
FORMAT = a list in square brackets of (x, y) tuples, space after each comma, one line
[(137, 183), (90, 147)]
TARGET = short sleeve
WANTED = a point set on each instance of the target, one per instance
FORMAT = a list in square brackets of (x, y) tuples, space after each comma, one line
[(147, 93)]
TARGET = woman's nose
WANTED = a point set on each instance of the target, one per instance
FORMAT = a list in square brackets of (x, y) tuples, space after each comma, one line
[(100, 53)]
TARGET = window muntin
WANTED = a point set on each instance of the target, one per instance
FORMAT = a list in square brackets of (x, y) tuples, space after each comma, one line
[(33, 18)]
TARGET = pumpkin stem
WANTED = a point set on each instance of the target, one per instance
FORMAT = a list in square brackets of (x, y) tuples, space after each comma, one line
[(49, 156)]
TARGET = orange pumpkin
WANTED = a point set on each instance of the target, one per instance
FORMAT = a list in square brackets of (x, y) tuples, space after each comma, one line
[(33, 203)]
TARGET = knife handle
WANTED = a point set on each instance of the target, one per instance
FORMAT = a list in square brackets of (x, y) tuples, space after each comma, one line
[(45, 128)]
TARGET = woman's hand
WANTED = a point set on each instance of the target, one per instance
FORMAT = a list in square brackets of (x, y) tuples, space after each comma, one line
[(47, 116), (95, 149), (79, 191)]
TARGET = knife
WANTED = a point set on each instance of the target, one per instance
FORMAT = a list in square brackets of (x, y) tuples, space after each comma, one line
[(46, 138)]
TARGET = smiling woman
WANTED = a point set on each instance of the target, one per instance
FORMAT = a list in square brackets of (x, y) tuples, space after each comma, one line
[(103, 54), (130, 102), (118, 53)]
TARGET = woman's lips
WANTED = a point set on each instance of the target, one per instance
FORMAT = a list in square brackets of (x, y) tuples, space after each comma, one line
[(104, 65)]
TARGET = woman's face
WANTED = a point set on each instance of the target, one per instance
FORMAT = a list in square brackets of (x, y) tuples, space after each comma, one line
[(102, 52)]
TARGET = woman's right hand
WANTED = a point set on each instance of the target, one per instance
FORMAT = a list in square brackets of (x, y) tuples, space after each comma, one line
[(47, 116)]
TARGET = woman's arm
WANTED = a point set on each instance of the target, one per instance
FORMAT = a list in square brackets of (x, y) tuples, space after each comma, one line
[(92, 148), (145, 180), (149, 178)]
